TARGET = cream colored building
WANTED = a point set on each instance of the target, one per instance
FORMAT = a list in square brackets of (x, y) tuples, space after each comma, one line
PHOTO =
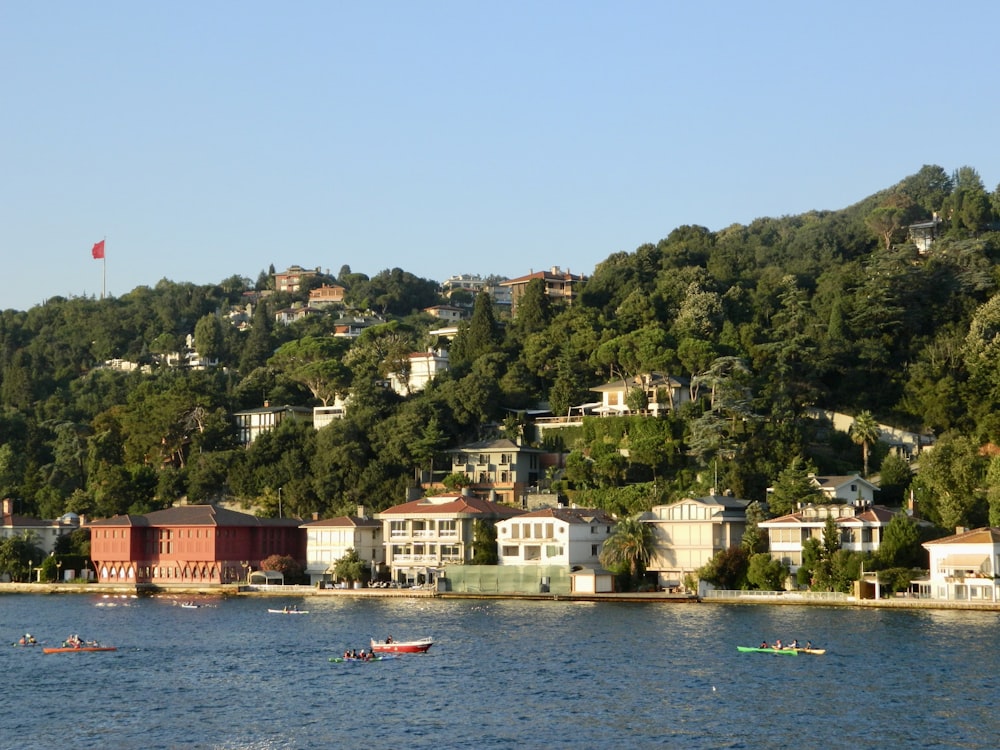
[(964, 567), (688, 533), (329, 539)]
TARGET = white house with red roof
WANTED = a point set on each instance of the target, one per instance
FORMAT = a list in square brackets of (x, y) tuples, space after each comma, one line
[(554, 536), (329, 539), (964, 567), (423, 535), (860, 525), (849, 488)]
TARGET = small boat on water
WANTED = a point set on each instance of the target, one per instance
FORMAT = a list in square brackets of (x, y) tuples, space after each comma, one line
[(358, 660), (287, 611), (74, 649), (190, 605), (390, 646), (769, 650), (813, 651)]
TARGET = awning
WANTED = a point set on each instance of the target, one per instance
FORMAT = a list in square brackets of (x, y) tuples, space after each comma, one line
[(964, 562)]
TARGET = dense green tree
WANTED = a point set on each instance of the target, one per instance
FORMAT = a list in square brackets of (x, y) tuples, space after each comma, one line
[(484, 543), (754, 539), (629, 547), (727, 569), (766, 573), (900, 545), (794, 487), (349, 567)]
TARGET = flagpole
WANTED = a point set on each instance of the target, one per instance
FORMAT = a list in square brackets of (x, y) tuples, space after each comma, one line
[(104, 270)]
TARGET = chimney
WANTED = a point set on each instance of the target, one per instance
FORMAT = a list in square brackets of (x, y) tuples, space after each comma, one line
[(315, 515), (8, 505), (267, 403), (362, 513)]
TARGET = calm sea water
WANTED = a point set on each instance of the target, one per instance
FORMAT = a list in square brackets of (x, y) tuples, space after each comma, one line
[(502, 674)]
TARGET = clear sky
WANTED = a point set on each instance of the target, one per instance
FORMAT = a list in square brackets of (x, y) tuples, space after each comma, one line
[(207, 139)]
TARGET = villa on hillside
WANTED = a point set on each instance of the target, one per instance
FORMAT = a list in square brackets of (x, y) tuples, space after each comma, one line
[(614, 395), (423, 367), (292, 279), (560, 286), (252, 423), (501, 469)]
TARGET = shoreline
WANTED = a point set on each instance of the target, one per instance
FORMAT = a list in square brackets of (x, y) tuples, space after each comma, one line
[(226, 590)]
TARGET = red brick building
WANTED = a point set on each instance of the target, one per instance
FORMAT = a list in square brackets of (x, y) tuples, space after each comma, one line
[(191, 544)]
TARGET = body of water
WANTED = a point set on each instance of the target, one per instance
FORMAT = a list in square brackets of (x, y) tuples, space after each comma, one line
[(502, 674)]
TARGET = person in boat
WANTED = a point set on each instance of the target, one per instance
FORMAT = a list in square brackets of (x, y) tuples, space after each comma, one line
[(388, 639), (794, 643), (763, 644), (809, 644), (777, 644)]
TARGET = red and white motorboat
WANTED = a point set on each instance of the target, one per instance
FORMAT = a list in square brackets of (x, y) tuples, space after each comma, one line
[(418, 646)]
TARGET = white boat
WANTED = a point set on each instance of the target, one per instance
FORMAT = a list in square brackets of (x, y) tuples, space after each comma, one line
[(287, 611)]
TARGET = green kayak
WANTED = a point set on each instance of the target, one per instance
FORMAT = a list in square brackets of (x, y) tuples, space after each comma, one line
[(755, 650)]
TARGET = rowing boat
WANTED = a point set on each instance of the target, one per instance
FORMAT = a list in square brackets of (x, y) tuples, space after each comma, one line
[(289, 611), (418, 646), (753, 650), (813, 651), (73, 649), (350, 660)]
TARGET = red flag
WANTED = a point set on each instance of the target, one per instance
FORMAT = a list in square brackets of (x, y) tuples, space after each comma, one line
[(98, 250)]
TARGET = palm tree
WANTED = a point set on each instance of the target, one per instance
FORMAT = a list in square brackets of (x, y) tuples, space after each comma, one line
[(630, 546), (865, 431)]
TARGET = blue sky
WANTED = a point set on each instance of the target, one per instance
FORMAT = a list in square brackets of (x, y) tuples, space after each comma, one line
[(204, 140)]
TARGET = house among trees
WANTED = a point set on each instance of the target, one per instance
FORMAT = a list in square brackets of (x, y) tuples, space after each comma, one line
[(292, 279), (325, 295), (859, 525), (850, 488), (189, 544), (560, 286), (689, 533), (423, 535), (41, 533), (423, 367), (329, 540), (659, 392), (252, 423), (502, 469)]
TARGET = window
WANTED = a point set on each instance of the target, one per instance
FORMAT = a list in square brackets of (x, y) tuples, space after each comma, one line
[(505, 458), (532, 552), (509, 550), (595, 550)]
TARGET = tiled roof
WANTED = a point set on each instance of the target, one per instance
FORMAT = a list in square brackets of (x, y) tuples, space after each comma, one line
[(343, 522), (452, 505), (196, 515), (572, 515), (985, 535)]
